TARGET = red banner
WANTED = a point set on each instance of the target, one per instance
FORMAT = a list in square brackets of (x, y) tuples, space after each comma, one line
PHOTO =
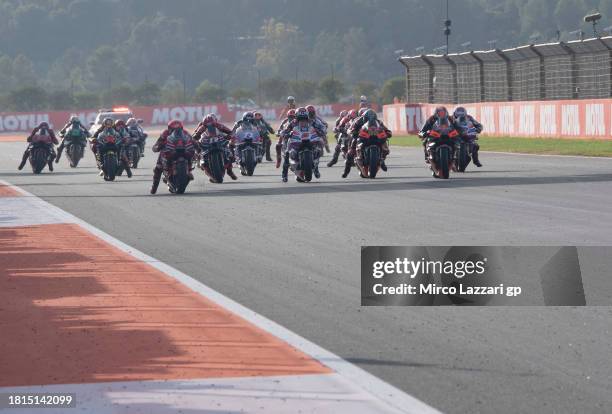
[(151, 115), (564, 119)]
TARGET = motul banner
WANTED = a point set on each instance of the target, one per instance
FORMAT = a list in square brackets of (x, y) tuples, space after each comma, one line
[(564, 119), (151, 115)]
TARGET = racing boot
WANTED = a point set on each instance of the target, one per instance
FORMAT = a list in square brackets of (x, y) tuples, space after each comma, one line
[(334, 159), (475, 157), (268, 145), (383, 166), (59, 152), (50, 164), (24, 160), (230, 173), (316, 172), (156, 179), (285, 172), (347, 168)]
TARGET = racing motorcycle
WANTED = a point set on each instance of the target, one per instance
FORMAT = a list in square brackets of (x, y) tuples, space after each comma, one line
[(441, 150), (74, 142), (369, 150), (108, 148), (177, 156), (131, 150), (466, 146), (304, 152), (248, 148), (41, 152), (213, 158)]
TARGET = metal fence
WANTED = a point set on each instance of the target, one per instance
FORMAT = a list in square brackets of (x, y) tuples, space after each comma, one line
[(580, 69)]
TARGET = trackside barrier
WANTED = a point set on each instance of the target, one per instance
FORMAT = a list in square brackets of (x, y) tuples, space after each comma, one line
[(589, 118), (152, 115)]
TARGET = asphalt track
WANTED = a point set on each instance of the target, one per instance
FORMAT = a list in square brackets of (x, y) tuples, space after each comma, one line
[(291, 252)]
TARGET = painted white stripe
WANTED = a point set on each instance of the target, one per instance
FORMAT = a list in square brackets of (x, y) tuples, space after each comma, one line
[(329, 393), (393, 398)]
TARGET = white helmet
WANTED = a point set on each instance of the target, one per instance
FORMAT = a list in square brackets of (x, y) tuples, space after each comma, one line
[(131, 122), (291, 99), (363, 98)]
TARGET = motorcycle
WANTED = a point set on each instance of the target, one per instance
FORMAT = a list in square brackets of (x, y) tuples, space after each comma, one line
[(213, 158), (74, 141), (369, 150), (108, 148), (304, 152), (248, 149), (178, 153), (40, 152), (466, 148), (132, 151), (441, 151)]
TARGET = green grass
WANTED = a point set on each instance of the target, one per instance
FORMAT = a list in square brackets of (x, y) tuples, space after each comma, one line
[(554, 146)]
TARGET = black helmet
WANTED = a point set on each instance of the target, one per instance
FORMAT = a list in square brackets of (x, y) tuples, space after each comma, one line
[(248, 117), (302, 114)]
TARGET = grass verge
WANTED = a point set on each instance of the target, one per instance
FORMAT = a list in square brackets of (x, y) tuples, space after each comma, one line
[(552, 146)]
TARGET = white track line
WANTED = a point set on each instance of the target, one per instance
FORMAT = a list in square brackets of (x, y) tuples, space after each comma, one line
[(387, 393)]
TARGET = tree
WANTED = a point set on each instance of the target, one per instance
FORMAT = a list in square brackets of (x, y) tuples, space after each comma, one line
[(106, 68), (28, 98), (366, 88), (330, 90), (303, 90), (23, 72), (86, 100), (60, 100), (147, 93), (208, 92), (281, 51), (242, 94), (393, 88), (273, 89), (172, 92)]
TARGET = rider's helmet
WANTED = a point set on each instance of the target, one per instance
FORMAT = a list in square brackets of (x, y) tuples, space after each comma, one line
[(370, 115), (460, 114), (258, 116), (343, 114), (301, 114), (353, 114), (43, 128), (291, 100), (312, 112), (209, 119), (441, 112), (175, 124), (120, 124), (108, 123), (291, 114), (363, 99), (132, 122), (248, 118), (74, 119)]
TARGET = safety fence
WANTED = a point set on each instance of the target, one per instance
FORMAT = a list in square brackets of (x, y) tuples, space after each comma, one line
[(590, 118), (151, 115), (579, 69)]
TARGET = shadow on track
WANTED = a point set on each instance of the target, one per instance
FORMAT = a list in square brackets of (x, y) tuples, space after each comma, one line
[(369, 186)]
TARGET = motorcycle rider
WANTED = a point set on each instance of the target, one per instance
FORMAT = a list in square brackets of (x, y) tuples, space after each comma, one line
[(318, 123), (136, 131), (159, 146), (282, 128), (42, 129), (74, 122), (441, 116), (290, 105), (364, 103), (210, 119), (466, 122), (108, 127), (369, 118), (247, 118), (212, 129), (342, 128), (301, 118), (264, 129)]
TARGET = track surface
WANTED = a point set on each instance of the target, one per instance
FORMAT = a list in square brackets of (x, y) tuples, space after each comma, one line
[(291, 253)]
